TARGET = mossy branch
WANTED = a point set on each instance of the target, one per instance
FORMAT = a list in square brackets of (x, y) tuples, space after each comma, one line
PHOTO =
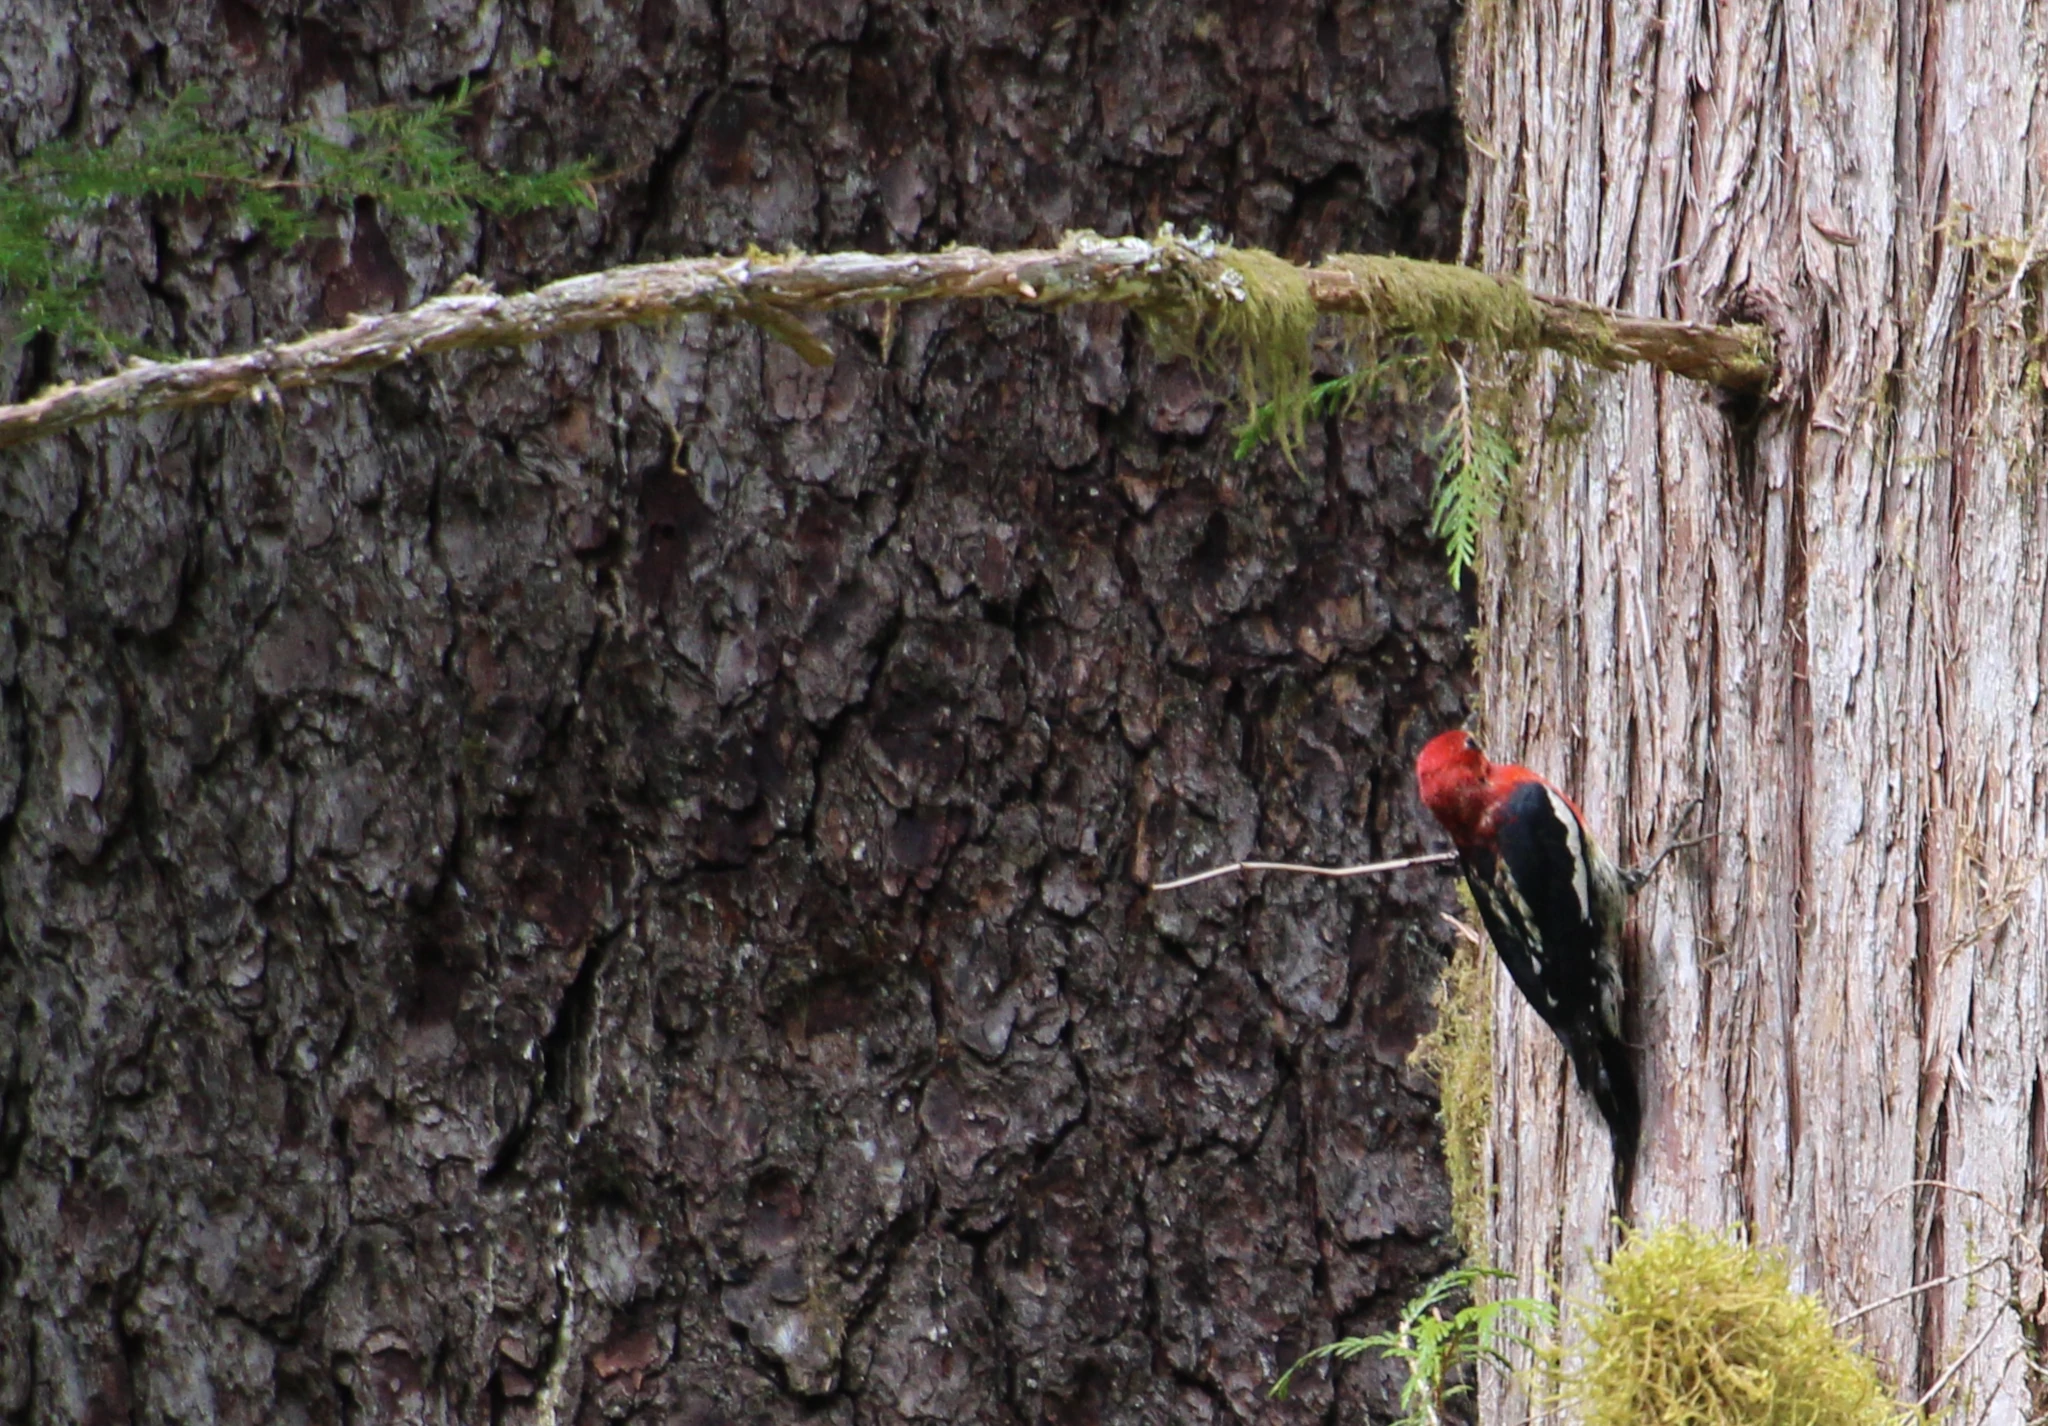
[(1405, 297), (1201, 295)]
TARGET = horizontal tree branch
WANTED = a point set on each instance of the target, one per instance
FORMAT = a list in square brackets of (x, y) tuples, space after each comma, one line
[(1167, 274)]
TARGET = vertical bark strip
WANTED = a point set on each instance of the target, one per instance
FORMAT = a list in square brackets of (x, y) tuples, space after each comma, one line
[(1828, 623)]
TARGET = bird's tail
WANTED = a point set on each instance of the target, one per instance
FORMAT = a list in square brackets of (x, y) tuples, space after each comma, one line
[(1602, 1064)]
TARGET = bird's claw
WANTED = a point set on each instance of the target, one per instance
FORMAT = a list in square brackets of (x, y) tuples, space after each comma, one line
[(1634, 879)]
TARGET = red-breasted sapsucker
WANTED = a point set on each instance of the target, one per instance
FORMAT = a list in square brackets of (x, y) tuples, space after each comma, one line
[(1553, 905)]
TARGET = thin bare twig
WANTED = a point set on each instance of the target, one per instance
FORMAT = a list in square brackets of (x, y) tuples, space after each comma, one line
[(1462, 931), (1957, 1365), (1991, 1401), (1917, 1288), (1335, 872), (2012, 1220), (1397, 296)]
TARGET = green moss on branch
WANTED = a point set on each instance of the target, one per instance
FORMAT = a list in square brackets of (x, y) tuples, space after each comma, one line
[(1443, 302), (1440, 301), (1245, 310)]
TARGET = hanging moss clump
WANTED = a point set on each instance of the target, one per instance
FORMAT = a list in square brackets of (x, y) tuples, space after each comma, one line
[(1242, 310), (1270, 330), (1699, 1329)]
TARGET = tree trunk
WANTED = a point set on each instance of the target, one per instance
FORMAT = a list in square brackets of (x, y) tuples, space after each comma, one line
[(604, 880), (1825, 618)]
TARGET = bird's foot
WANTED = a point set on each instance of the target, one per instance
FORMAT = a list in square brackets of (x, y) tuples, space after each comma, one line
[(1634, 878)]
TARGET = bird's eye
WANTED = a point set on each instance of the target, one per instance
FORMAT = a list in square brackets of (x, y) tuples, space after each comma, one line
[(1471, 745)]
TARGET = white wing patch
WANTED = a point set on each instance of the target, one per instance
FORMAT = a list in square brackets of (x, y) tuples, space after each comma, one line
[(1575, 842)]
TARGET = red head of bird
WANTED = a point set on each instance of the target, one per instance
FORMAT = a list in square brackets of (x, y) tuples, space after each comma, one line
[(1454, 776)]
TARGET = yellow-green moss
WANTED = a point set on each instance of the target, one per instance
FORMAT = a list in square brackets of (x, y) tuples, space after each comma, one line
[(1458, 1054), (1701, 1329), (1270, 329), (1444, 302), (1243, 310)]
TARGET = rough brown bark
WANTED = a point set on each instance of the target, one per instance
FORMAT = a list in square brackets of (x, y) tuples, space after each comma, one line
[(601, 881), (1827, 622)]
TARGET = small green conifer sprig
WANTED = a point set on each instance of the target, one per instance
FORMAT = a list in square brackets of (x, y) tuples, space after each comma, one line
[(1475, 461), (1475, 458), (1435, 1348), (282, 181)]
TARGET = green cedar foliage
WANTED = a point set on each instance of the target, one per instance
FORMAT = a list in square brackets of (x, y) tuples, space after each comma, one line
[(279, 180), (1475, 461), (1475, 457)]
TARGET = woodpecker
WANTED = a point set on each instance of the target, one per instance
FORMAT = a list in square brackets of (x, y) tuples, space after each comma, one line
[(1553, 905)]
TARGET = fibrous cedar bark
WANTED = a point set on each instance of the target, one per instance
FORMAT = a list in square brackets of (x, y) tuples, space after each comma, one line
[(1824, 617), (604, 880)]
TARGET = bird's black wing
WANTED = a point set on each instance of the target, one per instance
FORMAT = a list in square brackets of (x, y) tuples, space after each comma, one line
[(1548, 861), (1539, 892), (1535, 895)]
